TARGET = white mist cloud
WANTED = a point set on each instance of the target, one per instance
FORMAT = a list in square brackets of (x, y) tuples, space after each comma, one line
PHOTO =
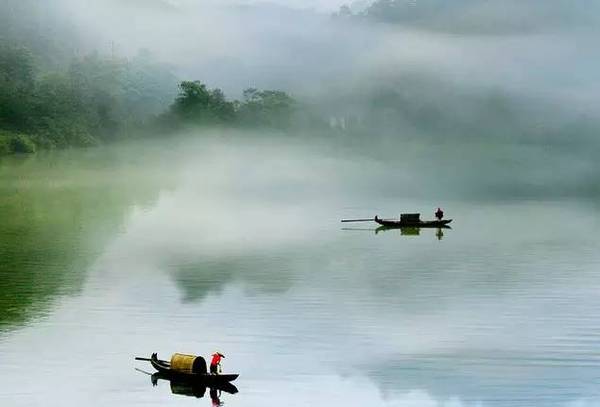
[(321, 5), (286, 45)]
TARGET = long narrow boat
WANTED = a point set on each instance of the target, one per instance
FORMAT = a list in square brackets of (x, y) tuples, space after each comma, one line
[(165, 369), (395, 223)]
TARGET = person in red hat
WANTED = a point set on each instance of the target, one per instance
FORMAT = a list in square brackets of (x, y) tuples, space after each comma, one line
[(215, 363)]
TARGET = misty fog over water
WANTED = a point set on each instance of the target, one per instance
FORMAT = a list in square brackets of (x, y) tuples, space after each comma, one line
[(234, 243), (226, 237)]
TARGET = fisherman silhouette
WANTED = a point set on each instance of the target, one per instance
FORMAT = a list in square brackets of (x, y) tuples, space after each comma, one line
[(439, 214)]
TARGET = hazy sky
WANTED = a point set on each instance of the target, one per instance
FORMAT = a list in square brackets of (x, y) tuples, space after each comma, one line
[(544, 52), (324, 5)]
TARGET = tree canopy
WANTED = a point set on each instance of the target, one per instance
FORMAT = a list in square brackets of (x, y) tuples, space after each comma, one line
[(197, 104)]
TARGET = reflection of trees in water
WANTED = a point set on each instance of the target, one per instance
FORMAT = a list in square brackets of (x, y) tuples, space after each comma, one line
[(500, 379), (56, 213), (457, 290), (388, 271), (199, 278)]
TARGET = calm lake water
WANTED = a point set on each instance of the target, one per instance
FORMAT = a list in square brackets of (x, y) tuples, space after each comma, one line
[(234, 244)]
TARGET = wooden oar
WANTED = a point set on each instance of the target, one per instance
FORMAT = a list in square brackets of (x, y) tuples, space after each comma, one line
[(358, 220), (144, 359), (143, 371)]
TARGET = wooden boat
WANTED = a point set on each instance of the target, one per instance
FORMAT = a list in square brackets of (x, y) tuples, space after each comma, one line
[(410, 223), (196, 370)]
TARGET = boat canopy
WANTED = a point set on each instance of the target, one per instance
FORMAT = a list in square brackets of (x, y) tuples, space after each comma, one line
[(188, 364), (410, 217)]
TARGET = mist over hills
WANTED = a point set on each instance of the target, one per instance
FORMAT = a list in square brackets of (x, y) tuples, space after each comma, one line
[(471, 68), (508, 17)]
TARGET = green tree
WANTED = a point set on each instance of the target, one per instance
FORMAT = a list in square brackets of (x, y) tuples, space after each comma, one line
[(16, 86), (268, 108), (200, 105)]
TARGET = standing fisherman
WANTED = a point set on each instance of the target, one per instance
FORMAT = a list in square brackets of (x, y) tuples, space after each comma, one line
[(215, 363), (439, 214)]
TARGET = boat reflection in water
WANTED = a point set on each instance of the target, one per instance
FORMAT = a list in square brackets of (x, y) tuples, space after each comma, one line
[(439, 234), (412, 231), (194, 388), (407, 231), (404, 231)]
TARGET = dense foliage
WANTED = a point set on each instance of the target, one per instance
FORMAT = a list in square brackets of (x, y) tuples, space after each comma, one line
[(199, 105), (267, 109), (99, 99), (93, 100), (53, 95)]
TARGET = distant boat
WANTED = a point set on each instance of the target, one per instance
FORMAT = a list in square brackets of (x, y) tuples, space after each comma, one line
[(412, 223), (407, 220), (189, 367)]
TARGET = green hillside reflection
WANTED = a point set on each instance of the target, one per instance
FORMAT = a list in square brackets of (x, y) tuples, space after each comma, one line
[(57, 212)]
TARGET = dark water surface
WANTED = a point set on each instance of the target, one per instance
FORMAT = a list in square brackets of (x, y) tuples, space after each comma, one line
[(236, 246)]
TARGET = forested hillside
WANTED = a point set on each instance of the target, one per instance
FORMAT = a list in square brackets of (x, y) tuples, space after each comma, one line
[(57, 90)]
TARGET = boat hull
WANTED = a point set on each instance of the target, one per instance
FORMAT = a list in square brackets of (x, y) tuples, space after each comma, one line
[(392, 223), (164, 368)]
